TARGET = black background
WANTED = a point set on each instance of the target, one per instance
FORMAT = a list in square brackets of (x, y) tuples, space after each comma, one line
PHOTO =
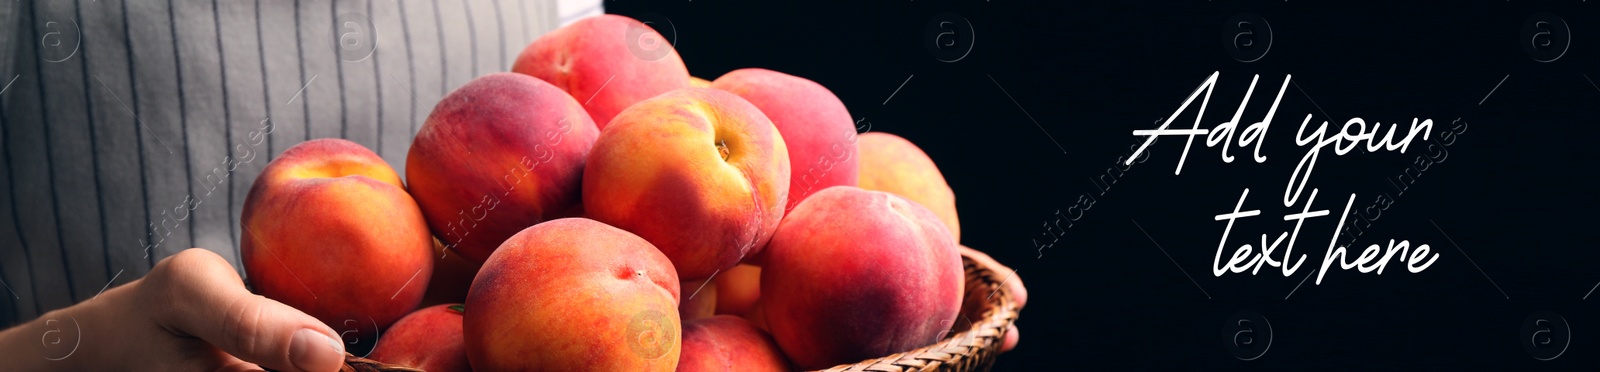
[(1508, 209)]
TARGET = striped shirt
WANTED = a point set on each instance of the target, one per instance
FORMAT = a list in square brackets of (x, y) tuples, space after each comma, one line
[(131, 130)]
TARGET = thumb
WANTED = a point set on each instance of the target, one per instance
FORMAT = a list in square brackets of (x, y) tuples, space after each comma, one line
[(209, 301)]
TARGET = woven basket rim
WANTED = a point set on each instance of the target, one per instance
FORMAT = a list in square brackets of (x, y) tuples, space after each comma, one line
[(973, 349)]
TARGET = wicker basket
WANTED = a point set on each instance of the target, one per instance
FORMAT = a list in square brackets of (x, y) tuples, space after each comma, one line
[(968, 348)]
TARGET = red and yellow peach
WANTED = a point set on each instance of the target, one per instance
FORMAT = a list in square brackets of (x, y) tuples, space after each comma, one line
[(892, 164), (501, 153), (574, 294), (329, 229), (853, 274), (609, 62), (700, 173), (815, 125)]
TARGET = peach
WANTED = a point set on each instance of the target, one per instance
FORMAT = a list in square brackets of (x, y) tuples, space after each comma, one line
[(609, 62), (728, 343), (738, 289), (700, 173), (501, 153), (429, 339), (815, 125), (853, 274), (329, 229), (574, 295), (893, 164), (699, 299), (695, 82)]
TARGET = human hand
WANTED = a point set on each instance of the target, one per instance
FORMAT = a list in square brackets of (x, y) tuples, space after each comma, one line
[(190, 313)]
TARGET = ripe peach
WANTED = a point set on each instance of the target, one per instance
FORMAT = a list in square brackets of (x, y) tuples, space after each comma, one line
[(854, 274), (574, 294), (893, 164), (500, 153), (700, 173), (815, 125), (429, 339), (728, 343), (328, 229), (738, 289), (608, 62)]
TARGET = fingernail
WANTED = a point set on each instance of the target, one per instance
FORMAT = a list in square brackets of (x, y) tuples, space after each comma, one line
[(313, 351)]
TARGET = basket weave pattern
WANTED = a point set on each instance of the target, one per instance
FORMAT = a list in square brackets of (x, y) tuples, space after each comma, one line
[(354, 363), (970, 349)]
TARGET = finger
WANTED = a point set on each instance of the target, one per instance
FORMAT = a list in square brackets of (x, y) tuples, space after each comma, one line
[(1011, 339), (237, 365), (220, 361), (208, 301), (1018, 291)]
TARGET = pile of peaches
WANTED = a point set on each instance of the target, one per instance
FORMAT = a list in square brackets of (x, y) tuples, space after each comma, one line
[(598, 208)]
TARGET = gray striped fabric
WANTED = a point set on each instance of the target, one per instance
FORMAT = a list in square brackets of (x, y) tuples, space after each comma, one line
[(126, 125)]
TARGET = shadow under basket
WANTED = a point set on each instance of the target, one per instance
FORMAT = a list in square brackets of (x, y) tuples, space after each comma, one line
[(969, 347)]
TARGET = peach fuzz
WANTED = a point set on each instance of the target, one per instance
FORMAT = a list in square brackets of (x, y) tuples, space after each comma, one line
[(815, 125), (328, 229), (893, 164), (854, 274), (429, 339), (608, 62), (574, 295), (501, 153), (700, 173)]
